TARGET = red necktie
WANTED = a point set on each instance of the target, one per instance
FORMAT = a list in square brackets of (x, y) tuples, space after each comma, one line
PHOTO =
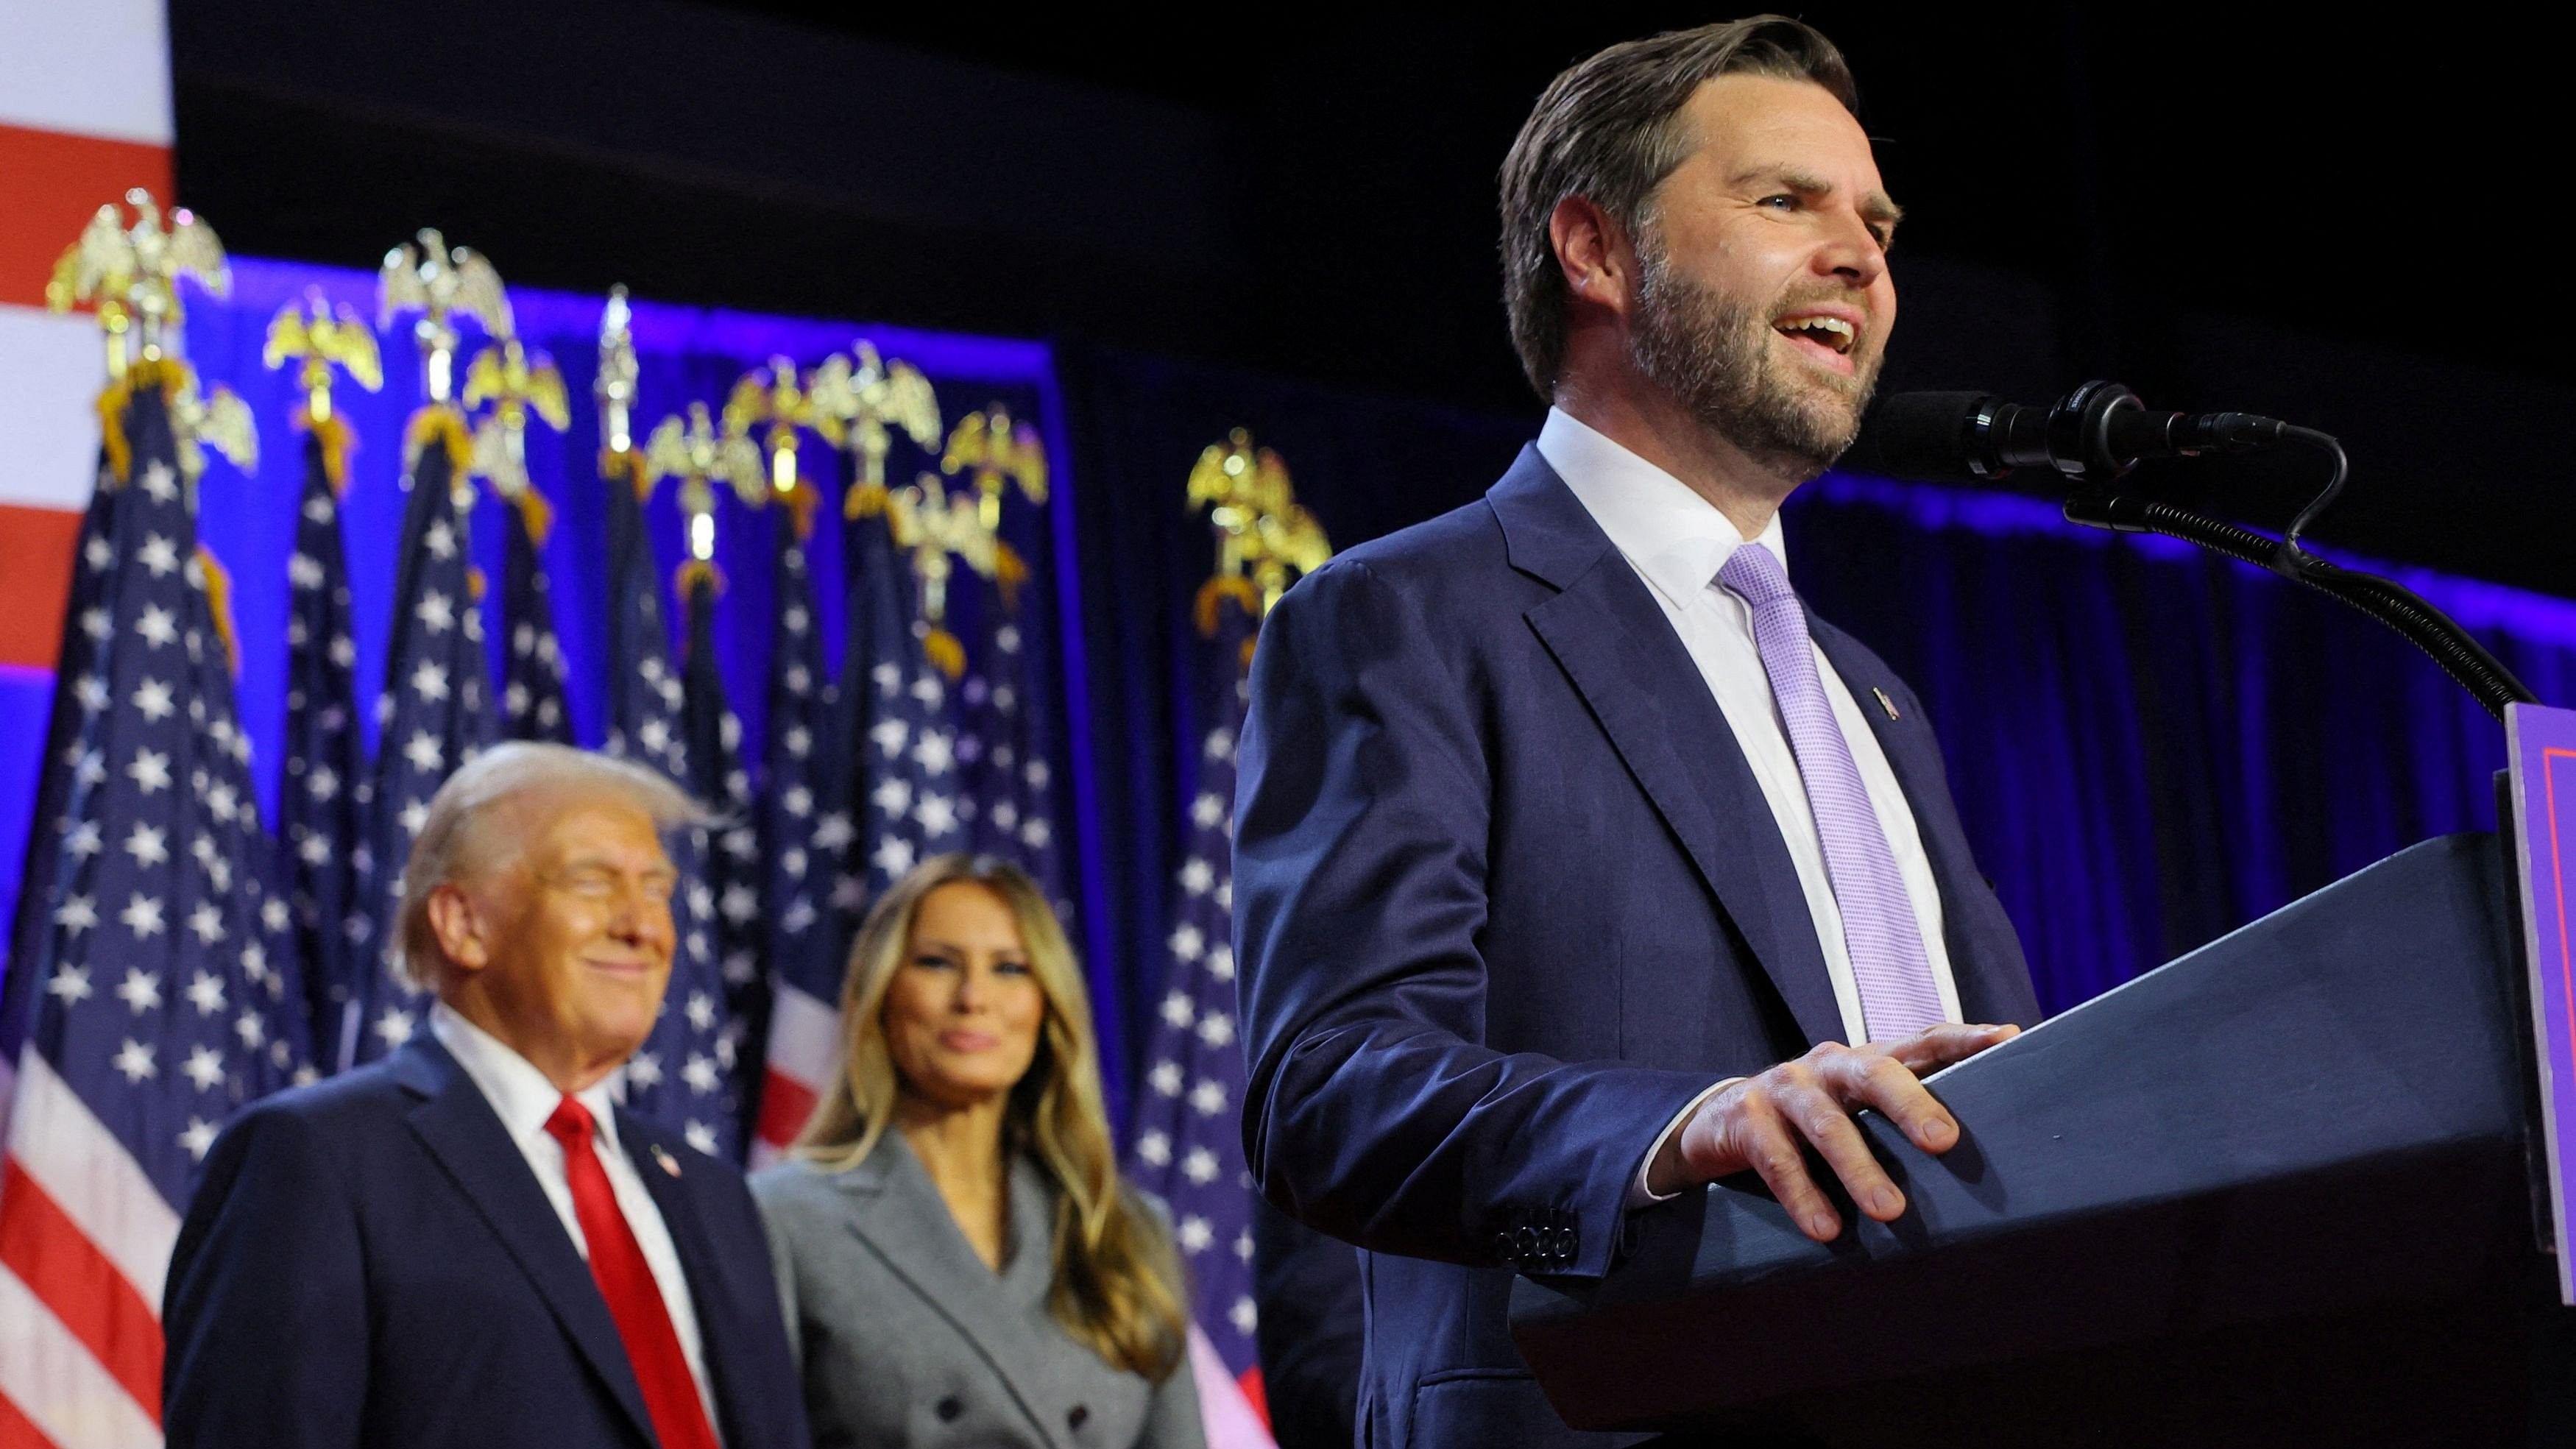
[(634, 1299)]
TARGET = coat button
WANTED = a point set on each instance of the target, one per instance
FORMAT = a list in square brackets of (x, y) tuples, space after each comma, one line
[(950, 1408), (1077, 1417), (1503, 1246), (1524, 1244)]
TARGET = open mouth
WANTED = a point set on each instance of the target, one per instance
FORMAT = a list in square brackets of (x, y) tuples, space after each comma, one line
[(1826, 338)]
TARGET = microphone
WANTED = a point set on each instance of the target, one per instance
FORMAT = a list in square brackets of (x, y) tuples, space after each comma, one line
[(2094, 434)]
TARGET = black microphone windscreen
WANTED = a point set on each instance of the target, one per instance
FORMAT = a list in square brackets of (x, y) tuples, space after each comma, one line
[(1915, 435)]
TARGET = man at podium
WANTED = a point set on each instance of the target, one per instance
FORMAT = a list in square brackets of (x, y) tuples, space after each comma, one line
[(1570, 848)]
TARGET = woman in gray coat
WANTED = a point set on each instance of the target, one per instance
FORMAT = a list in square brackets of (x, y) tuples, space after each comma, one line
[(959, 1261)]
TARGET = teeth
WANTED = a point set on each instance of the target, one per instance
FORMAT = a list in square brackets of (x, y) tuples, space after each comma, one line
[(1832, 327)]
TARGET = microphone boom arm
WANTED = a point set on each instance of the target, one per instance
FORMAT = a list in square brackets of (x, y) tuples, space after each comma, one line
[(2459, 654), (2095, 435)]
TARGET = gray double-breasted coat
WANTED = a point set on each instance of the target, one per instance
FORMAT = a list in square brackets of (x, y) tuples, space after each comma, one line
[(904, 1337)]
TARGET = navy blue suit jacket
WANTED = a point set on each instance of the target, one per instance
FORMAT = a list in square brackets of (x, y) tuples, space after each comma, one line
[(370, 1261), (1507, 897)]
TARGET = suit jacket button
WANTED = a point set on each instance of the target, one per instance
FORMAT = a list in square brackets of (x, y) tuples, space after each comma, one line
[(950, 1408), (1080, 1415), (1524, 1244), (1503, 1246)]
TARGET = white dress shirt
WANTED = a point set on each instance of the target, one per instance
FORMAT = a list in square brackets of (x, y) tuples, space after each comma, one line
[(1677, 541), (523, 1098)]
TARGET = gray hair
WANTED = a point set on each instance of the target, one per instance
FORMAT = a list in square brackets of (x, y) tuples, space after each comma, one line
[(452, 843), (1604, 130)]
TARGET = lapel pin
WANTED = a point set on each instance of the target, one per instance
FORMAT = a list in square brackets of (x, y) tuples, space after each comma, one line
[(1885, 703), (664, 1158)]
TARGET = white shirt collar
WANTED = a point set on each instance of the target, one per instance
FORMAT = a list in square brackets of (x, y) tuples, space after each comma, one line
[(520, 1094), (1675, 538)]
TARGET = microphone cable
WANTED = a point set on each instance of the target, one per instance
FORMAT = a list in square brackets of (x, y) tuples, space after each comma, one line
[(2454, 649)]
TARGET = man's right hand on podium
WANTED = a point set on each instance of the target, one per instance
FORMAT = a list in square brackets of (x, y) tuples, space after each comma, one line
[(1765, 1123)]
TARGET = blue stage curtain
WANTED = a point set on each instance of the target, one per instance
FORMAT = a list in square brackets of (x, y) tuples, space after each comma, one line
[(2152, 746)]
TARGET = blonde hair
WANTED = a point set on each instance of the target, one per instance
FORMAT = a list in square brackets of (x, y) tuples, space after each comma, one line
[(1116, 1279), (457, 838)]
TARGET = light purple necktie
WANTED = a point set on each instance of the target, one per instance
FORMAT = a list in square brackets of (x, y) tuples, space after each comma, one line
[(1897, 994)]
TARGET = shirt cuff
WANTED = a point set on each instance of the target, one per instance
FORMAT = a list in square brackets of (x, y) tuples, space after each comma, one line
[(1640, 1195)]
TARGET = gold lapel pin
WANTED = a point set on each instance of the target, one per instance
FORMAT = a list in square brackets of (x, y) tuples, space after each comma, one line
[(664, 1158), (1885, 703)]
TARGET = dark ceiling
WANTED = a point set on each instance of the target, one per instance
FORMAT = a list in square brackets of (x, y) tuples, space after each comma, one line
[(2361, 180), (2343, 223)]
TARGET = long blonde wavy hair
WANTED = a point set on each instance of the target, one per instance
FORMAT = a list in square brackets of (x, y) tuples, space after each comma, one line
[(1117, 1285)]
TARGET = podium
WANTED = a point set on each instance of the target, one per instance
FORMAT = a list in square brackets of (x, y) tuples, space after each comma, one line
[(2274, 1192)]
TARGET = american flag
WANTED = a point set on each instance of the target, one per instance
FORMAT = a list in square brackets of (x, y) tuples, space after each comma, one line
[(165, 993), (532, 669), (84, 626), (1188, 1139), (712, 735), (909, 786), (431, 718), (806, 834), (317, 806), (1003, 747), (683, 1075), (1002, 750)]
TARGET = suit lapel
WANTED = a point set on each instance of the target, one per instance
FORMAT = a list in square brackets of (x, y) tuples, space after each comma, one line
[(907, 1225), (460, 1130), (1984, 981), (1619, 651)]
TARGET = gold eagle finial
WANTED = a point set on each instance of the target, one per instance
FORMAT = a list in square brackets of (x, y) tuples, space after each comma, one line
[(322, 337), (775, 395), (514, 383), (862, 404), (132, 273), (934, 526), (996, 453), (441, 283), (1263, 533), (698, 456)]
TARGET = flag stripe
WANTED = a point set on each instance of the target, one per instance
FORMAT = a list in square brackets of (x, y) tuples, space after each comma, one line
[(57, 1387), (59, 1146), (17, 1432), (56, 181), (1228, 1418), (804, 1051), (51, 369), (101, 68), (70, 1276), (785, 1104), (1254, 1393), (36, 546), (804, 1038)]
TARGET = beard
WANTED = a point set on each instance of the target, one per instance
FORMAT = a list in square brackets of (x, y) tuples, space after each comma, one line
[(1713, 353)]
